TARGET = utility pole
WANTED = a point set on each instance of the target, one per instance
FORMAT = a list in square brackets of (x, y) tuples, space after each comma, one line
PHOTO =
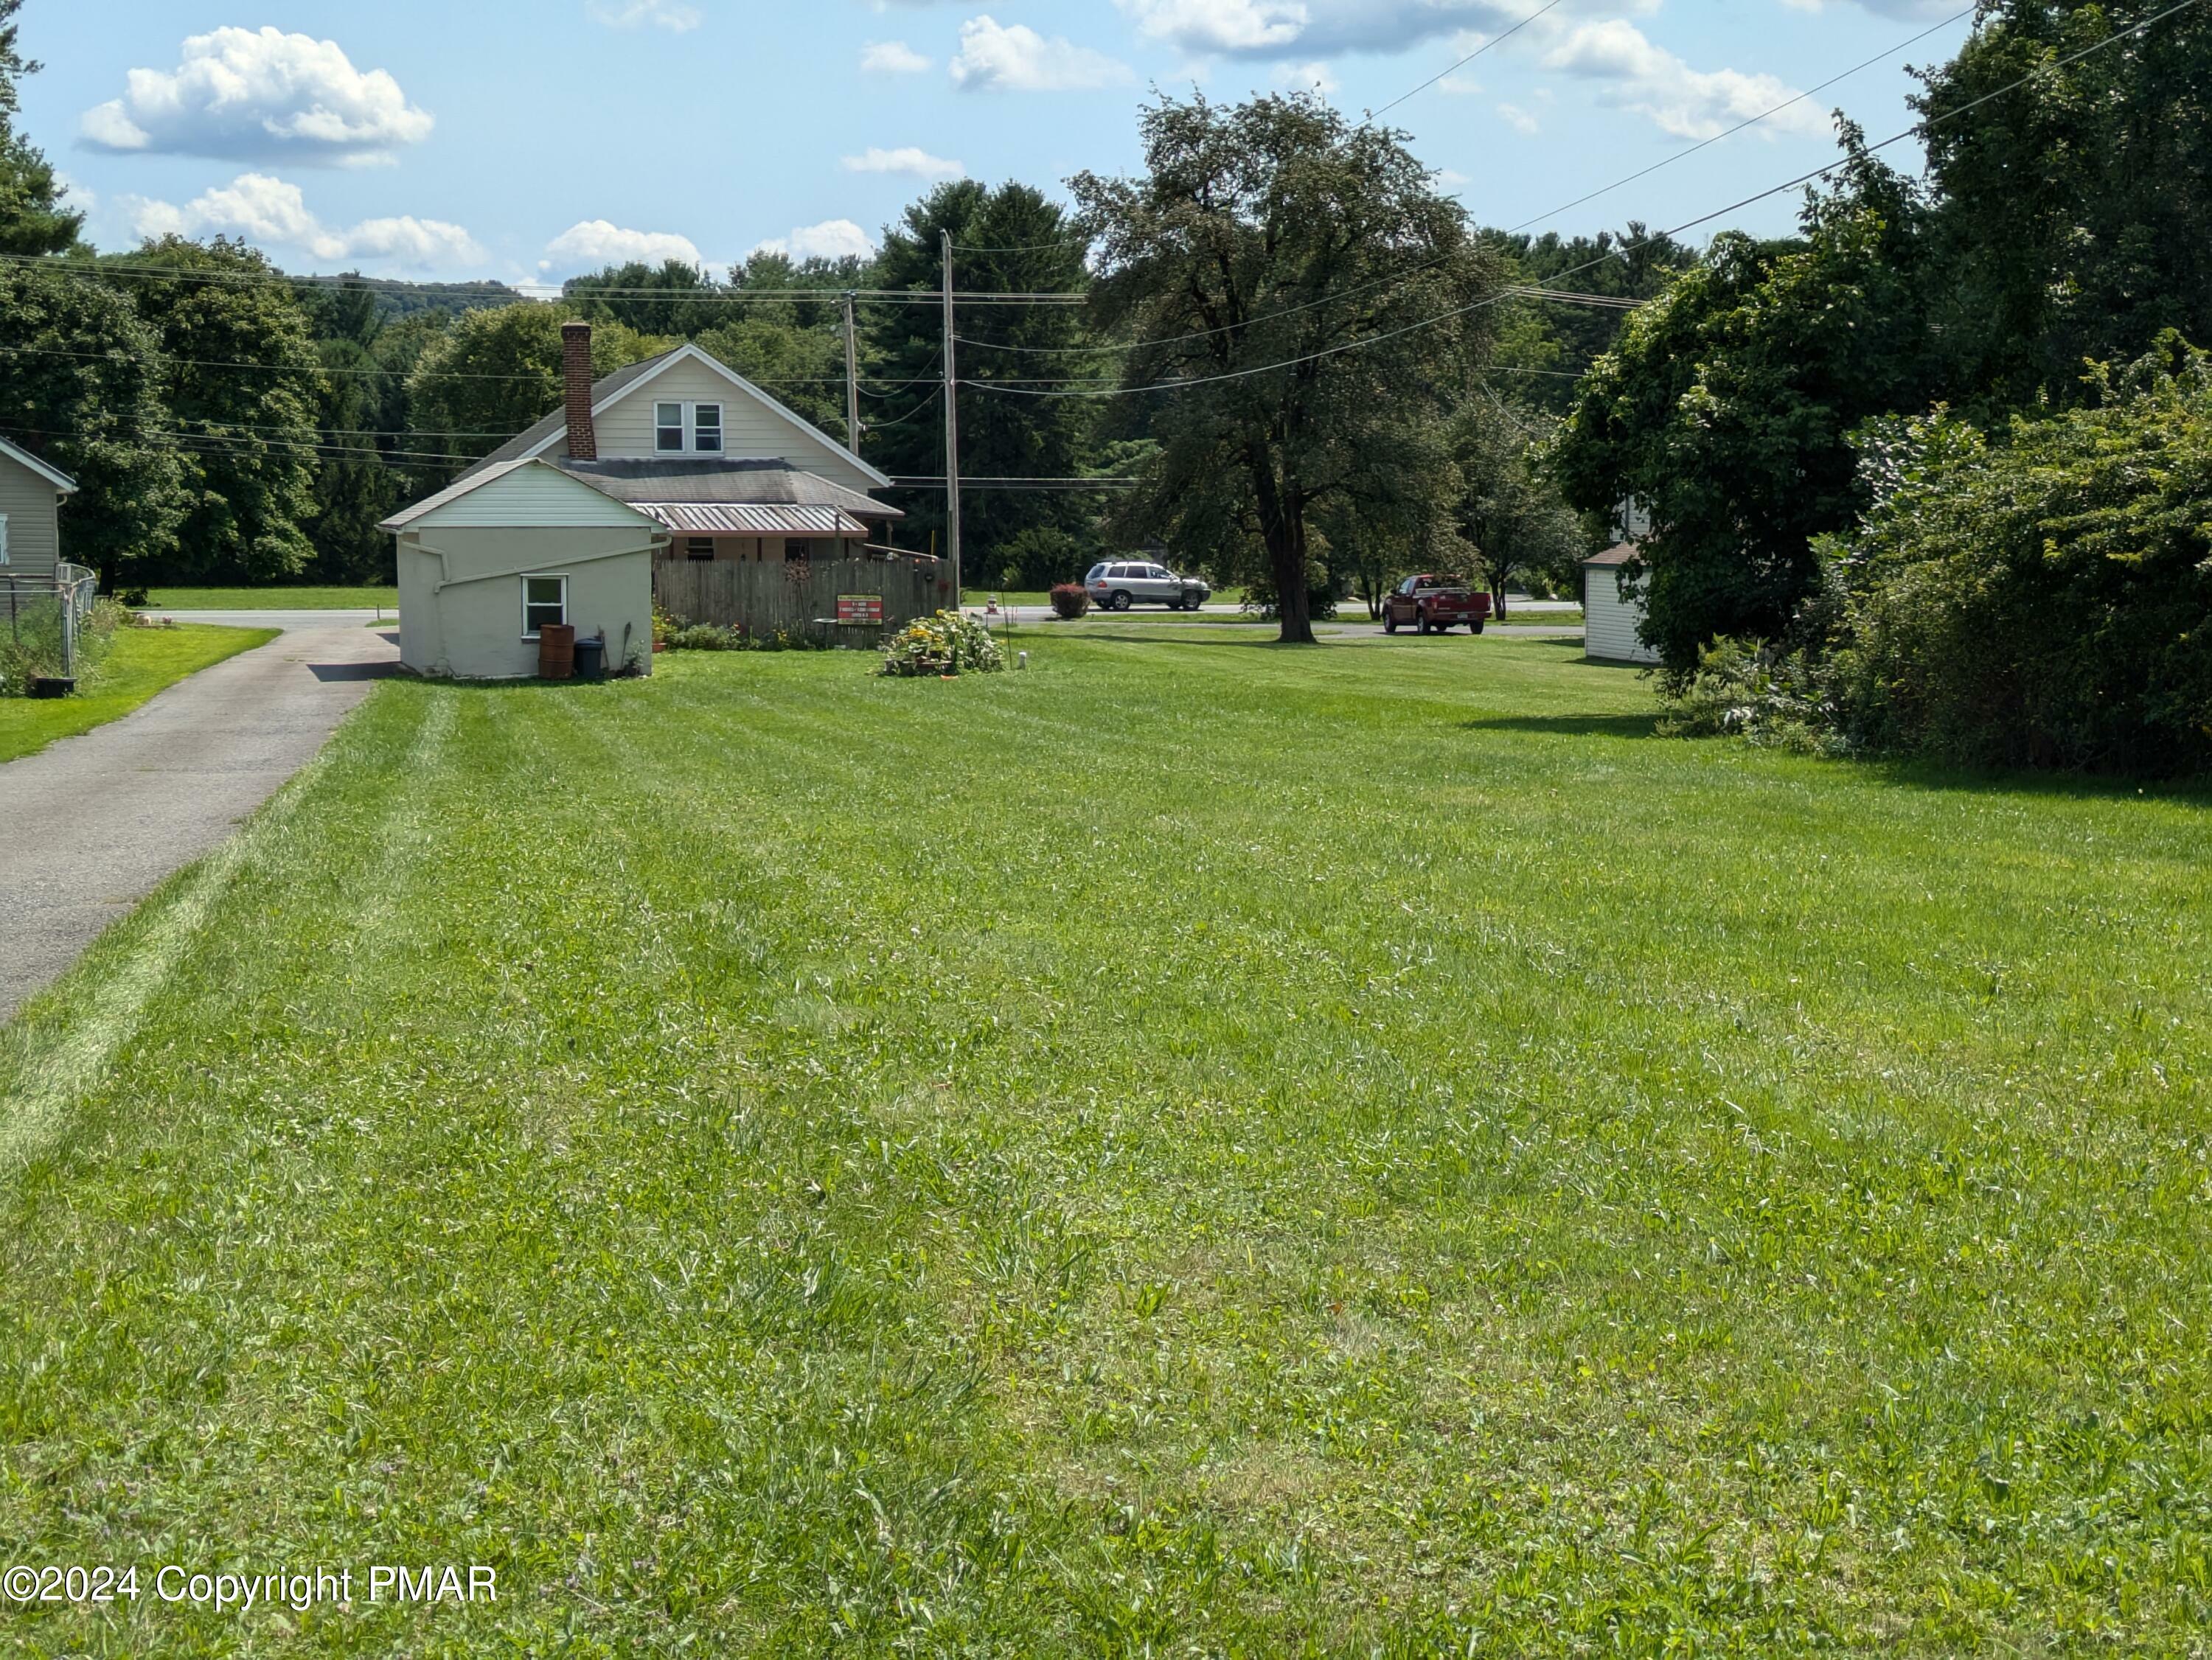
[(952, 433), (852, 378)]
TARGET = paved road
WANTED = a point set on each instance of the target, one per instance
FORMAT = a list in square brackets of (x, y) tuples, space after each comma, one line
[(90, 825)]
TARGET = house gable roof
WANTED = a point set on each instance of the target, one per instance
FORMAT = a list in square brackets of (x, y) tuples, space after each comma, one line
[(592, 507), (1620, 554), (53, 475), (706, 480), (606, 393)]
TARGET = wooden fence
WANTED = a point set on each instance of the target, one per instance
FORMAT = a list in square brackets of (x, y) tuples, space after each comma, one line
[(800, 597)]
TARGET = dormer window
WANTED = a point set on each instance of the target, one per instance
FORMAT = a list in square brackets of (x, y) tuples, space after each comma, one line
[(687, 429)]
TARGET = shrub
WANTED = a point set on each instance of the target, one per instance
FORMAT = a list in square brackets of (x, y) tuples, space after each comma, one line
[(31, 641), (946, 644), (2046, 601), (1036, 557), (1764, 693), (682, 636), (1071, 600)]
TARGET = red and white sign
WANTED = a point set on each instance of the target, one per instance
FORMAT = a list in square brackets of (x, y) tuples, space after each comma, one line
[(860, 609)]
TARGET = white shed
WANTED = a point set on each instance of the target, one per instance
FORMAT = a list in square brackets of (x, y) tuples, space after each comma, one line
[(485, 562), (1610, 620)]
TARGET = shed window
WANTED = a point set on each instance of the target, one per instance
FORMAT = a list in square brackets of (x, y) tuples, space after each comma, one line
[(668, 429), (4, 538), (797, 548), (706, 428), (699, 548), (544, 599)]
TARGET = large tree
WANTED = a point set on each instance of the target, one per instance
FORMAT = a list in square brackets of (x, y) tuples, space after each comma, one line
[(1305, 308), (81, 386), (243, 381), (492, 373), (31, 218), (1726, 411), (2074, 213), (1543, 345), (669, 299), (359, 478), (1009, 240)]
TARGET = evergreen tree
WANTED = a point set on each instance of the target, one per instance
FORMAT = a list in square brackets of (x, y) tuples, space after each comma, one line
[(31, 218), (1007, 240)]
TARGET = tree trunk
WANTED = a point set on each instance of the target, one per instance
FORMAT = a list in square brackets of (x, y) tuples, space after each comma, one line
[(1283, 530), (1498, 598)]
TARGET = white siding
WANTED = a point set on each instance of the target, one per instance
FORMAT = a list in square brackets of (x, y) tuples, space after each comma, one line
[(1611, 620), (752, 430), (31, 506), (533, 497)]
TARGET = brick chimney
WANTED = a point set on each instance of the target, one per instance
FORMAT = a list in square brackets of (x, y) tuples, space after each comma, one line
[(576, 374)]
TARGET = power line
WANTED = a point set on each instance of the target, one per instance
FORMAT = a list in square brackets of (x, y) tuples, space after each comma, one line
[(828, 297), (1752, 121), (1444, 317), (1495, 39)]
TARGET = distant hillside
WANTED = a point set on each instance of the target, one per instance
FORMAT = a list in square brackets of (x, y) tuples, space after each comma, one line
[(397, 298)]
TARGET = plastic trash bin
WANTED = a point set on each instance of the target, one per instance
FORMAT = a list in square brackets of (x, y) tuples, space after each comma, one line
[(592, 659)]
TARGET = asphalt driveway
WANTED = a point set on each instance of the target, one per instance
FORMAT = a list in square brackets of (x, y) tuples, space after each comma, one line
[(90, 825)]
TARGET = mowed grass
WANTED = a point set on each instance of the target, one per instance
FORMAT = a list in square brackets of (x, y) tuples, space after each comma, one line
[(141, 662), (780, 1161), (271, 599)]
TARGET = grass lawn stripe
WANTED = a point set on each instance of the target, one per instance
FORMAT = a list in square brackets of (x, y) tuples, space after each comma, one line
[(812, 1164)]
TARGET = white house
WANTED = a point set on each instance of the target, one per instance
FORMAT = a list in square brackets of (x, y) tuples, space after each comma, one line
[(1610, 619), (31, 495), (677, 461)]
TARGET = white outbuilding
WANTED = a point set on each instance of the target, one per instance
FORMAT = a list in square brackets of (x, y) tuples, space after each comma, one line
[(1610, 618), (486, 563)]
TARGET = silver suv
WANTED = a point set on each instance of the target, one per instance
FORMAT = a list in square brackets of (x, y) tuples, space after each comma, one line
[(1116, 585)]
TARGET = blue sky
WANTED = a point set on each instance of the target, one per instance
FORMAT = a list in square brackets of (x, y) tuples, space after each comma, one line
[(526, 140)]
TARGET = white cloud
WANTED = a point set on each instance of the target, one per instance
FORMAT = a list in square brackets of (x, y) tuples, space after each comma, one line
[(1222, 25), (1307, 77), (248, 95), (892, 57), (1014, 57), (1686, 102), (1269, 28), (671, 14), (908, 159), (1518, 119), (592, 244), (270, 212), (833, 239)]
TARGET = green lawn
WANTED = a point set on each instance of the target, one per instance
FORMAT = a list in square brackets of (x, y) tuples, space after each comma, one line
[(780, 1161), (270, 599), (141, 662)]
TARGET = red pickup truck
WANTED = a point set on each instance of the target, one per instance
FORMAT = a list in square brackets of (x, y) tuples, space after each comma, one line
[(1431, 604)]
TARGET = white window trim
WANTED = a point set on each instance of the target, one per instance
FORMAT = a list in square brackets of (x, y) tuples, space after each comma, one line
[(682, 415), (4, 538), (691, 419), (529, 576), (721, 426)]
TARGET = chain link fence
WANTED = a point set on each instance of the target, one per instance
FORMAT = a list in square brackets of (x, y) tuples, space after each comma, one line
[(42, 629)]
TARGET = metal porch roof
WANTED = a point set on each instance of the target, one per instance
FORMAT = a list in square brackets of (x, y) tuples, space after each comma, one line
[(750, 518)]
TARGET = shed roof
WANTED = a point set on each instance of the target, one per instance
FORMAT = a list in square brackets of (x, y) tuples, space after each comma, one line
[(1620, 554), (470, 483), (53, 475)]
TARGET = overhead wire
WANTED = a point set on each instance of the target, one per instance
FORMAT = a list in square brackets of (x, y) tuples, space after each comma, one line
[(1917, 128)]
